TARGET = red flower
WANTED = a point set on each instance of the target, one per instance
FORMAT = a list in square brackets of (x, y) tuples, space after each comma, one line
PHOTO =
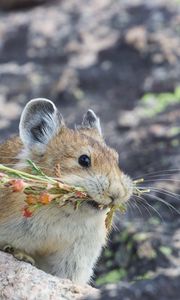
[(17, 185), (80, 195), (27, 212)]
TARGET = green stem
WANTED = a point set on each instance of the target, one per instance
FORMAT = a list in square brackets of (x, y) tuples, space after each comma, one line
[(25, 175)]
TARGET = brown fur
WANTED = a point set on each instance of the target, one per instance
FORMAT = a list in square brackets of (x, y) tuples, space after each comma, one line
[(9, 150), (51, 234), (64, 148)]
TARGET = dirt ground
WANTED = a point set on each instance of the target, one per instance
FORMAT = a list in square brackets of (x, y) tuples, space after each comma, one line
[(122, 59)]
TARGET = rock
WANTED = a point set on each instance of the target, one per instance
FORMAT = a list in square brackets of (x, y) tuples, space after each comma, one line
[(127, 120), (19, 280), (8, 4), (137, 36)]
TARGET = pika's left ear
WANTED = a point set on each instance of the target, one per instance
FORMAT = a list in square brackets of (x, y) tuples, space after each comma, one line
[(40, 122), (91, 121)]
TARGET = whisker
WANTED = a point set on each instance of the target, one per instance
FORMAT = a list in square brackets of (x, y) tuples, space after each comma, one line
[(159, 172), (166, 203), (163, 179), (156, 211), (169, 193), (164, 191), (135, 204), (144, 207), (130, 207), (163, 176)]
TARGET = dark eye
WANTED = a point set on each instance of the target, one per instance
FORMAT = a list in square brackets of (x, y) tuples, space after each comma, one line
[(84, 160)]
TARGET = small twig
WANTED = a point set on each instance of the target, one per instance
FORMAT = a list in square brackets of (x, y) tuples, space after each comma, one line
[(58, 171)]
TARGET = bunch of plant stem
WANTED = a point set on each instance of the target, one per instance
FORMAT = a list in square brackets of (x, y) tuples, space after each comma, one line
[(40, 190)]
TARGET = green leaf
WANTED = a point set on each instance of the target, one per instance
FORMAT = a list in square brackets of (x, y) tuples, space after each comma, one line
[(165, 250), (112, 277), (154, 104), (35, 169)]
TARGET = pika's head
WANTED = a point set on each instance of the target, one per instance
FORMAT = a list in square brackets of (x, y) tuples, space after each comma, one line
[(82, 154)]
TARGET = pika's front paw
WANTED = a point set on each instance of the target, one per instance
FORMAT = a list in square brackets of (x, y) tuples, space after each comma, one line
[(8, 248), (18, 254)]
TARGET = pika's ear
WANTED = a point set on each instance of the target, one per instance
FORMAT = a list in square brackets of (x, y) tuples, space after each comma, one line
[(91, 121), (40, 121)]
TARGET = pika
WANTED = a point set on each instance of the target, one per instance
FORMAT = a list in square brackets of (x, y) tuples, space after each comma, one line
[(61, 241)]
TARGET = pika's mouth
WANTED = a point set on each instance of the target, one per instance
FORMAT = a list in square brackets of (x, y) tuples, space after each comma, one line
[(97, 205)]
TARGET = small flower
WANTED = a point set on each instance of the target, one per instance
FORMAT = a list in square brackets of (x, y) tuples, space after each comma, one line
[(81, 195), (30, 199), (27, 212), (17, 185), (2, 175), (45, 198)]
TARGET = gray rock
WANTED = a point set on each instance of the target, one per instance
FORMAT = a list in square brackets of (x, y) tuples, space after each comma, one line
[(19, 281), (8, 4)]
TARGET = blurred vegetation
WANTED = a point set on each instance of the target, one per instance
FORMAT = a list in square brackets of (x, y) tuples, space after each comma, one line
[(154, 104)]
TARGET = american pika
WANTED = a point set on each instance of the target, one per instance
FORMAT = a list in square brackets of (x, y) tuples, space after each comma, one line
[(62, 241)]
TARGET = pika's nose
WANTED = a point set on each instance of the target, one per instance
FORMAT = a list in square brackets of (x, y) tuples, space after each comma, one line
[(121, 191)]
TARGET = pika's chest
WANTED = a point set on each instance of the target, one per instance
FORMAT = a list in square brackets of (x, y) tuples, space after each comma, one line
[(67, 231)]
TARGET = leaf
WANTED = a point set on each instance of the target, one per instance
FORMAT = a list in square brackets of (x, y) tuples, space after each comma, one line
[(77, 204), (165, 250), (109, 218), (112, 277), (122, 208), (35, 169)]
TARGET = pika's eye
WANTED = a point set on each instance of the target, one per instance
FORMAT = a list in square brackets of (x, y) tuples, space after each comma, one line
[(84, 160)]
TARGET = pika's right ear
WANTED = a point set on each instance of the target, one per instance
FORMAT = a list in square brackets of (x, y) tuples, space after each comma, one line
[(40, 121)]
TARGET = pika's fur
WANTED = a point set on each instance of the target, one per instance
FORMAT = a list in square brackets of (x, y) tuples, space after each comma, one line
[(62, 241)]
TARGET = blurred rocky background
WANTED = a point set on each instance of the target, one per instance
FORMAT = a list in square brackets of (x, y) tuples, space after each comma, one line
[(122, 59)]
